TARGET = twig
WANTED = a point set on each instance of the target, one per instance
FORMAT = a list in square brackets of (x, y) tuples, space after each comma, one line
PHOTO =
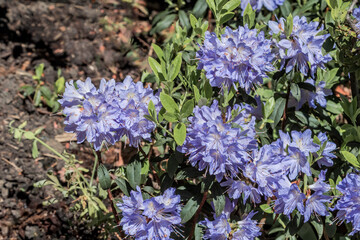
[(285, 109), (12, 164), (349, 20), (197, 215)]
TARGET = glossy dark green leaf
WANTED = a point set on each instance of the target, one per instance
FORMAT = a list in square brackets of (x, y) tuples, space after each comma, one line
[(278, 111), (189, 209), (133, 173), (104, 177), (121, 183)]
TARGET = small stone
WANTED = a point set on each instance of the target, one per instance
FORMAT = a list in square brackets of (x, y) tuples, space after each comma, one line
[(32, 232)]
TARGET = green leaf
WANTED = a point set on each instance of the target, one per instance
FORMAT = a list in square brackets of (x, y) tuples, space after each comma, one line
[(307, 232), (189, 209), (231, 5), (175, 67), (193, 21), (180, 133), (184, 20), (37, 98), (187, 108), (269, 107), (196, 94), (168, 103), (295, 91), (155, 66), (319, 227), (226, 17), (170, 117), (28, 90), (46, 92), (289, 25), (349, 157), (104, 177), (151, 109), (266, 208), (34, 151), (29, 135), (330, 227), (249, 16), (208, 90), (21, 126), (60, 85), (211, 4), (39, 70), (218, 198), (172, 165), (200, 8), (278, 111), (159, 52), (163, 23), (122, 185), (133, 173)]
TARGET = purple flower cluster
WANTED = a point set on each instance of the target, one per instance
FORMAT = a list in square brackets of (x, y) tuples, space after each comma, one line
[(289, 197), (270, 169), (303, 48), (154, 218), (219, 228), (311, 97), (270, 5), (241, 56), (220, 143), (349, 203), (108, 113)]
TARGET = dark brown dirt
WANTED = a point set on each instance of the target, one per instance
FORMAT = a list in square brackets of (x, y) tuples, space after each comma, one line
[(83, 39)]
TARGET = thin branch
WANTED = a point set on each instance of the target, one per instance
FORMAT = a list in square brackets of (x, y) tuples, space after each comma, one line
[(285, 109), (351, 22), (203, 200)]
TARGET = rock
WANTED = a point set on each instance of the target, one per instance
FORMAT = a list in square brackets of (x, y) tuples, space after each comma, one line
[(16, 213), (32, 232)]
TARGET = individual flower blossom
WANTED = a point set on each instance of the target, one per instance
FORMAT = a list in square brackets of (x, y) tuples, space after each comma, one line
[(295, 149), (247, 228), (320, 185), (219, 228), (327, 155), (301, 140), (237, 187), (316, 204), (242, 56), (303, 48), (289, 198), (108, 113), (154, 218), (312, 97), (348, 205), (270, 5), (220, 143)]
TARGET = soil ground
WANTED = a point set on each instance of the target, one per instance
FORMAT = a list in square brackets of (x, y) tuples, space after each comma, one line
[(84, 39)]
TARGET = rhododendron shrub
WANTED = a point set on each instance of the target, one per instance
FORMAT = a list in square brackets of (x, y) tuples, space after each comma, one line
[(240, 131)]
